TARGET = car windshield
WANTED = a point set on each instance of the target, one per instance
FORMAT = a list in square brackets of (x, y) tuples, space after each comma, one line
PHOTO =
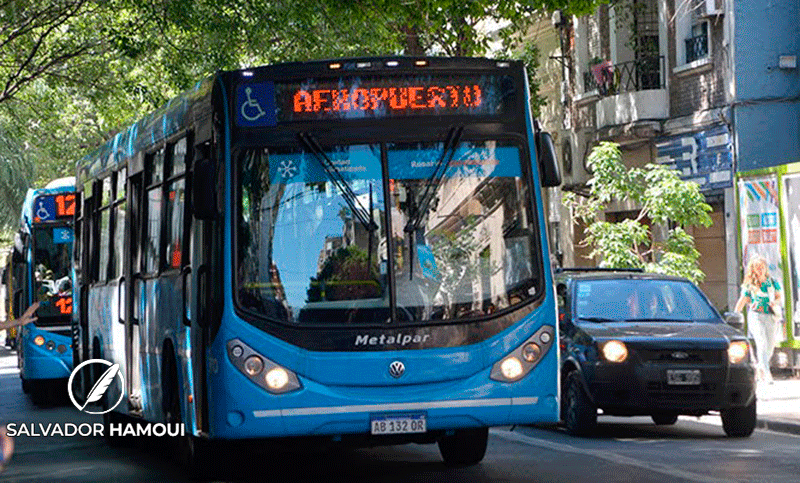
[(53, 285), (641, 300), (314, 250)]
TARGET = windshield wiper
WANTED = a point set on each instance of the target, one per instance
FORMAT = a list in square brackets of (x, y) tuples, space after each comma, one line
[(597, 319), (657, 319), (367, 220), (448, 151)]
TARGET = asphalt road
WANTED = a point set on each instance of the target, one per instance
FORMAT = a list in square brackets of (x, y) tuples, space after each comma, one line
[(624, 450)]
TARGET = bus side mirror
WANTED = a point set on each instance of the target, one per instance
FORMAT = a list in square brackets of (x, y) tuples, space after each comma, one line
[(19, 244), (548, 164), (204, 190)]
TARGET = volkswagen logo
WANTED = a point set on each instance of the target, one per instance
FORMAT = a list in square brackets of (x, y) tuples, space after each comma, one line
[(680, 355), (397, 369)]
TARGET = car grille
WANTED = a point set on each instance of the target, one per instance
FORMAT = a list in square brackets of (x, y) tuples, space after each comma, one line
[(663, 392), (693, 356)]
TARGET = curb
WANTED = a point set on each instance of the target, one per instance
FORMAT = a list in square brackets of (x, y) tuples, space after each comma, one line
[(780, 426)]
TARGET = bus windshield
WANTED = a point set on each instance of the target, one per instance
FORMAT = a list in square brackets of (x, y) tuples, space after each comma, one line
[(52, 248), (452, 246)]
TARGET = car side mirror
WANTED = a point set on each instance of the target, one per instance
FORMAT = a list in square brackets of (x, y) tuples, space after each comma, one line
[(735, 320)]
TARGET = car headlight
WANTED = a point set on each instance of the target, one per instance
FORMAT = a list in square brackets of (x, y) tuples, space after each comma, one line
[(520, 361), (737, 351), (262, 371), (615, 351)]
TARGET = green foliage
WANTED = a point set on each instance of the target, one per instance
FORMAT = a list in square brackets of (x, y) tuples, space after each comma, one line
[(662, 197), (530, 56), (74, 72)]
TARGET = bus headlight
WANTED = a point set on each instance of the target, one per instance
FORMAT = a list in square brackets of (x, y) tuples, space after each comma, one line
[(615, 351), (253, 365), (267, 374), (737, 351), (277, 378), (50, 345), (38, 340), (511, 368), (523, 359)]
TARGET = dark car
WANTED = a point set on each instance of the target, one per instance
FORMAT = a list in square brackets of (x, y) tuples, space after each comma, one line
[(635, 343)]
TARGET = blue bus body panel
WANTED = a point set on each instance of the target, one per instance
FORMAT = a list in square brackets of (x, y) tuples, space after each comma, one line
[(41, 363), (434, 384)]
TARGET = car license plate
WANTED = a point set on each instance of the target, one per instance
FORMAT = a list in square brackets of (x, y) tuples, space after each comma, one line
[(398, 424), (683, 377)]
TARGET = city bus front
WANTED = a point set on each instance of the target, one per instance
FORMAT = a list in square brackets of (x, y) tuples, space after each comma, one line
[(46, 352), (387, 255)]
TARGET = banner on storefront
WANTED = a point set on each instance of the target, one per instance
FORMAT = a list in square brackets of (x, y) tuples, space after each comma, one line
[(759, 208)]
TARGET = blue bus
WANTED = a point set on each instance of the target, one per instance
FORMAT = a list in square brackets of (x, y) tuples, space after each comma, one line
[(42, 272), (352, 249)]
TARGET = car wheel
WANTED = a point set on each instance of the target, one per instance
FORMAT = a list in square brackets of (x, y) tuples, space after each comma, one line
[(580, 417), (464, 448), (665, 419), (739, 422)]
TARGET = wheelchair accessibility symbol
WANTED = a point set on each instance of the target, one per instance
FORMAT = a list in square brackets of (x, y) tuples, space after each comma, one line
[(251, 110), (256, 104), (42, 212)]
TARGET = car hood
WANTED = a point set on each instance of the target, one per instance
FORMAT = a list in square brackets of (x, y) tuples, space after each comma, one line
[(707, 333)]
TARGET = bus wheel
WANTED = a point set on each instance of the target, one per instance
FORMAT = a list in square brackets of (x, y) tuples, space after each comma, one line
[(26, 385), (465, 448), (190, 452)]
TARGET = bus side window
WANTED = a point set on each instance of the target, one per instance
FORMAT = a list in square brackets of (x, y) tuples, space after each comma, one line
[(154, 164)]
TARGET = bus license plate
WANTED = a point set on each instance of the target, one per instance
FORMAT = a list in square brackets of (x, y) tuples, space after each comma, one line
[(405, 424), (683, 377)]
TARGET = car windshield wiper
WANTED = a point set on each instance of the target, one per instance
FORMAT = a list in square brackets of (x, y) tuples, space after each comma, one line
[(657, 319), (448, 151), (362, 214), (598, 319)]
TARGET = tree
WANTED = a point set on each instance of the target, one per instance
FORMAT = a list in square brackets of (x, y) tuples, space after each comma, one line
[(662, 197)]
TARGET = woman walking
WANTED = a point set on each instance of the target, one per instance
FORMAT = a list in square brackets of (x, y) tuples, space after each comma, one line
[(762, 294)]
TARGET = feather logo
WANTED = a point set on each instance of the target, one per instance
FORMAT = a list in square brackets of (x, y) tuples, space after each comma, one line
[(101, 386), (99, 389)]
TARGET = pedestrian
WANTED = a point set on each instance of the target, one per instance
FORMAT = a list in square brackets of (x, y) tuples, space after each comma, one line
[(761, 294), (6, 441)]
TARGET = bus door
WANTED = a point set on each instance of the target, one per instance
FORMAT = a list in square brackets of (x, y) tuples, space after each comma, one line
[(134, 310)]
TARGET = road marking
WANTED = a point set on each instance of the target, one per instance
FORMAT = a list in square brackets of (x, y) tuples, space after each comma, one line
[(609, 456)]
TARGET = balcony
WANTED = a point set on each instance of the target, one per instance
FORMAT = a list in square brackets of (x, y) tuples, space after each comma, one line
[(629, 91), (642, 74)]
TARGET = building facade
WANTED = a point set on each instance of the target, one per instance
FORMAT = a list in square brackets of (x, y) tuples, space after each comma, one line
[(707, 87)]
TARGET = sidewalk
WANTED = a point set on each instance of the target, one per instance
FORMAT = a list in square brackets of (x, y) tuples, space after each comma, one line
[(778, 406)]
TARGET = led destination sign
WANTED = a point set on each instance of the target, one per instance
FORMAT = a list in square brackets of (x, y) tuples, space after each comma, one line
[(364, 97), (54, 207)]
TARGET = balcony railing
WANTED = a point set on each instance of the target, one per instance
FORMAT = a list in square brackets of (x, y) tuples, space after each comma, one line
[(696, 48), (636, 75)]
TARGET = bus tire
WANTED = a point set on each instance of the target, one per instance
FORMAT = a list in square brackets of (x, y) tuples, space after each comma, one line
[(466, 447), (580, 416), (739, 422), (191, 452), (26, 385)]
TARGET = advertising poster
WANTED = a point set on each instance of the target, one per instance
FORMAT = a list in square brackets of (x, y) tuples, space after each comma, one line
[(760, 210), (791, 213)]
